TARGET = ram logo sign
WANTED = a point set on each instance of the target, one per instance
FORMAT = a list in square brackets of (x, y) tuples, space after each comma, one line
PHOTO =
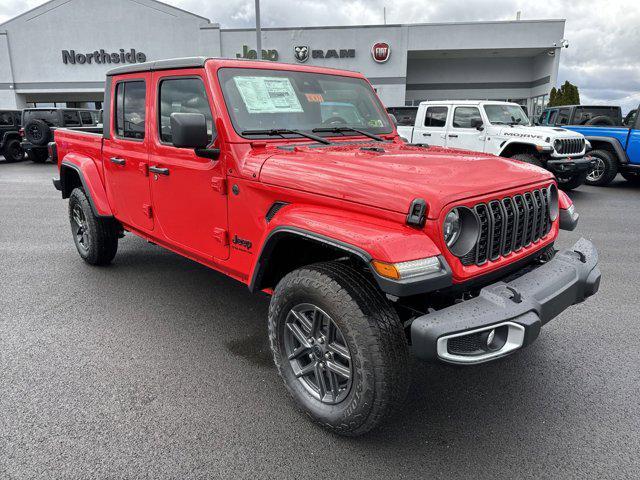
[(381, 52)]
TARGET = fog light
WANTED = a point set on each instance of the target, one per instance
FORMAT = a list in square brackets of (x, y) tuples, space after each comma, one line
[(495, 339)]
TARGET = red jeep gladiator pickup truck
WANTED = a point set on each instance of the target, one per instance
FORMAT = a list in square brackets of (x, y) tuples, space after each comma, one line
[(293, 180)]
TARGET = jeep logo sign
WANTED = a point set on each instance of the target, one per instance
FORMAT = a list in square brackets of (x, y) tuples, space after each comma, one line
[(381, 52)]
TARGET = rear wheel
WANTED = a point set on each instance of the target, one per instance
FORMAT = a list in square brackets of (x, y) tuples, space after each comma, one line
[(13, 151), (605, 170), (38, 156), (339, 347), (632, 178), (96, 238)]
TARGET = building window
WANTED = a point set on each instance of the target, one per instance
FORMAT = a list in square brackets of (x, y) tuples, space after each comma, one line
[(130, 109)]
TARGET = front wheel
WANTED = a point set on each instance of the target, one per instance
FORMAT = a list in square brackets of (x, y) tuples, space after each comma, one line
[(569, 183), (96, 238), (605, 169), (339, 347)]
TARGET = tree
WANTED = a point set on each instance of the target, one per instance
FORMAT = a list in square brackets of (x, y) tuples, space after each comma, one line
[(567, 94)]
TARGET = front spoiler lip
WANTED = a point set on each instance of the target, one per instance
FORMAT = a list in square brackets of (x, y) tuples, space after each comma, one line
[(540, 295)]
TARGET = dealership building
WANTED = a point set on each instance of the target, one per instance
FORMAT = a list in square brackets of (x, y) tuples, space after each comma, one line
[(58, 53)]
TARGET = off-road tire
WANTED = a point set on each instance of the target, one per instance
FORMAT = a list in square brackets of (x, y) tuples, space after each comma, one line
[(572, 182), (102, 233), (528, 158), (13, 151), (37, 132), (610, 165), (632, 178), (373, 334), (38, 155)]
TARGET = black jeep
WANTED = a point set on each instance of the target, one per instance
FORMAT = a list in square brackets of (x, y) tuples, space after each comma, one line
[(39, 124), (10, 146)]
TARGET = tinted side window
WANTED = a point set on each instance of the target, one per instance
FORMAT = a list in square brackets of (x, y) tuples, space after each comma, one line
[(553, 116), (406, 117), (71, 118), (462, 116), (563, 116), (184, 95), (130, 109), (6, 119), (436, 117), (87, 119)]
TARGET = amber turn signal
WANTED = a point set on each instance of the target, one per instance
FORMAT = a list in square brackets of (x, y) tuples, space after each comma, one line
[(387, 270)]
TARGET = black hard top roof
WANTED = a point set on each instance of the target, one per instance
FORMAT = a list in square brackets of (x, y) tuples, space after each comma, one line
[(169, 64)]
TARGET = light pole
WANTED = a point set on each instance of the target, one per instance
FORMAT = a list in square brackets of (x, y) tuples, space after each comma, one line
[(258, 32)]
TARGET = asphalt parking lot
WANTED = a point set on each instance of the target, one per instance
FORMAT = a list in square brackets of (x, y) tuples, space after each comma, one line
[(157, 367)]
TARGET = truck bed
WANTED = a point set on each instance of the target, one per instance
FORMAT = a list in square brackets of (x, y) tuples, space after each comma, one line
[(84, 141)]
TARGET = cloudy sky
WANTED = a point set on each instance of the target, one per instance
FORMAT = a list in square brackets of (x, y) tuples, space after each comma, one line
[(603, 58)]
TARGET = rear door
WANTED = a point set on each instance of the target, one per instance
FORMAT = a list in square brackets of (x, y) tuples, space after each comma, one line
[(434, 126), (460, 133), (189, 196), (125, 153), (633, 143)]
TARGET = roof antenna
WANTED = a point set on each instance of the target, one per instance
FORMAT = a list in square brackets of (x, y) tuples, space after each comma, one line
[(384, 15)]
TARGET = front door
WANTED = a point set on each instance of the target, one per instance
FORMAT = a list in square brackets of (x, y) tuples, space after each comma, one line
[(189, 194), (433, 130), (461, 134), (125, 154)]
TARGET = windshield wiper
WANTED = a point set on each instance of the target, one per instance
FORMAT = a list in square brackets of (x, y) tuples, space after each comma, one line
[(347, 129), (285, 131)]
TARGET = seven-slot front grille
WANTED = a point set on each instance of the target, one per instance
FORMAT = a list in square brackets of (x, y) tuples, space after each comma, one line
[(567, 146), (509, 224)]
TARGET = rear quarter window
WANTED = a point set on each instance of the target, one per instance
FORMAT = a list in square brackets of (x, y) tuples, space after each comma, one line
[(50, 117), (6, 119)]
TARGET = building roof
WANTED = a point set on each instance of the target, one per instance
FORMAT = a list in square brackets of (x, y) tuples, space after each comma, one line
[(51, 4)]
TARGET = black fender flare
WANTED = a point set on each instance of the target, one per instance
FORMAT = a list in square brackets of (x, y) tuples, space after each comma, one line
[(623, 159), (9, 136), (281, 231), (66, 189)]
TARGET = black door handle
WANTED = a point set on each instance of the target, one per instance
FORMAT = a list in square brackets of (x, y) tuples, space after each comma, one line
[(453, 135), (426, 134), (159, 170), (118, 161)]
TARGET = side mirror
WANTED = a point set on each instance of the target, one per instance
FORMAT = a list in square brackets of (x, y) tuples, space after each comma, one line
[(189, 130), (476, 123), (393, 119)]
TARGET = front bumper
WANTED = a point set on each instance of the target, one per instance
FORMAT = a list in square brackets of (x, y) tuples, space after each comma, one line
[(568, 167), (516, 309)]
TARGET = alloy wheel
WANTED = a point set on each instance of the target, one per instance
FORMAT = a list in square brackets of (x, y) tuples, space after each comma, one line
[(79, 228), (598, 170), (318, 353)]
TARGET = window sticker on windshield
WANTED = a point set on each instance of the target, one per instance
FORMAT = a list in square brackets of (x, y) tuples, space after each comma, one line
[(314, 97), (268, 94)]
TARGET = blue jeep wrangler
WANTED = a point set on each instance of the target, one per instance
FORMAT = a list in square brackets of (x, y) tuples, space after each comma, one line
[(615, 149)]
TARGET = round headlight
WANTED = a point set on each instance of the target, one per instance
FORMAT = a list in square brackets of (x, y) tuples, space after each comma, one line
[(451, 227), (461, 230)]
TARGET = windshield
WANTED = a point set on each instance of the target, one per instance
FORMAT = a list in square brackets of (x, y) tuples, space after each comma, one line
[(260, 99), (506, 115)]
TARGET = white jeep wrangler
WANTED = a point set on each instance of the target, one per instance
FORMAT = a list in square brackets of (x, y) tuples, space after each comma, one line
[(501, 128)]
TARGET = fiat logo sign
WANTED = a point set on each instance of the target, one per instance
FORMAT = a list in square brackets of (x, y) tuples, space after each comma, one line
[(381, 52)]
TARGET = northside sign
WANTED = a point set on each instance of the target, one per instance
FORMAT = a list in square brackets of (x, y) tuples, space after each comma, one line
[(101, 57)]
